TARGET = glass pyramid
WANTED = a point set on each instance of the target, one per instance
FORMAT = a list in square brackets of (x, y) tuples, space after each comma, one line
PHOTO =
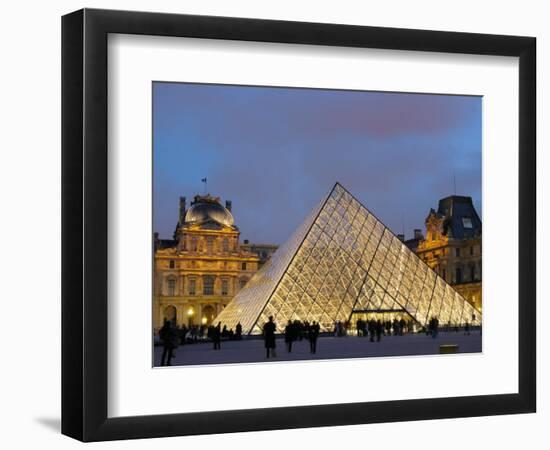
[(343, 260)]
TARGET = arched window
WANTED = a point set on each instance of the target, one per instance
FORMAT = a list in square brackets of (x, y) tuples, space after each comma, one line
[(170, 314), (208, 285)]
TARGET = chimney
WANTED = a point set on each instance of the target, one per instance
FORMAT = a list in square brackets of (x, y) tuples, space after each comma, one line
[(418, 233), (182, 210), (228, 204), (401, 237)]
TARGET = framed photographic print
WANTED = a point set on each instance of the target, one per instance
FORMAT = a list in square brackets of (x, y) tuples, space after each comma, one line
[(273, 224)]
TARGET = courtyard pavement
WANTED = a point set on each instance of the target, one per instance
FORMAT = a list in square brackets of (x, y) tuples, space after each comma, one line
[(328, 347)]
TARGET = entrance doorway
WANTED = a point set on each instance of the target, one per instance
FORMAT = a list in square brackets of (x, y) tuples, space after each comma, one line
[(387, 317), (170, 314), (208, 314)]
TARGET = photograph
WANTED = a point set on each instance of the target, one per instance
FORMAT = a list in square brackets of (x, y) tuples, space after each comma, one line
[(296, 224)]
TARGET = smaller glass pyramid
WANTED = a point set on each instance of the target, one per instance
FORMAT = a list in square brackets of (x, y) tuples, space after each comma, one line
[(342, 261)]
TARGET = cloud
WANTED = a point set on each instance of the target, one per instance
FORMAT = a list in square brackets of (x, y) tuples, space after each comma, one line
[(275, 152)]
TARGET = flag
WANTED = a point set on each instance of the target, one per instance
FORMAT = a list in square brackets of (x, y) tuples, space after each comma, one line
[(204, 180)]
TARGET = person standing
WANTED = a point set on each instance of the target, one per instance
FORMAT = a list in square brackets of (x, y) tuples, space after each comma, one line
[(435, 328), (238, 331), (372, 329), (313, 335), (269, 337), (289, 336), (379, 330), (169, 338), (217, 336)]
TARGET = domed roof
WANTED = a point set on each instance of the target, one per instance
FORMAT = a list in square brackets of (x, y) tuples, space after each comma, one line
[(208, 208)]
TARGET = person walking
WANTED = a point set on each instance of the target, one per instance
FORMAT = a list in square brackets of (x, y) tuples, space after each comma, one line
[(169, 337), (313, 335), (269, 337)]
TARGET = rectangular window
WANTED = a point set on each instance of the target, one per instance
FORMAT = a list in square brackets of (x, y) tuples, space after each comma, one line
[(192, 286), (225, 287), (210, 244), (225, 245), (172, 264), (243, 266), (208, 285), (171, 287), (457, 252), (467, 223)]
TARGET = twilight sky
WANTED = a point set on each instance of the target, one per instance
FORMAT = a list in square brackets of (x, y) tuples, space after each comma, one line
[(275, 152)]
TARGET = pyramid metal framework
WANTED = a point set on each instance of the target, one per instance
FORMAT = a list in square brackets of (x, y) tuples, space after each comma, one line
[(342, 260)]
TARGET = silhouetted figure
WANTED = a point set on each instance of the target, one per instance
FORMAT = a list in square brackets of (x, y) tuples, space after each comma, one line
[(289, 335), (239, 331), (434, 323), (360, 327), (182, 333), (269, 337), (372, 329), (169, 337), (217, 336), (467, 328), (379, 330), (313, 335)]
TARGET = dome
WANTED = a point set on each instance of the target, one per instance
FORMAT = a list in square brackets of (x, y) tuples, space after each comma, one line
[(208, 208)]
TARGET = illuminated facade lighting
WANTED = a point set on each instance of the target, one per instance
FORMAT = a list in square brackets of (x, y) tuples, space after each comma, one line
[(342, 261)]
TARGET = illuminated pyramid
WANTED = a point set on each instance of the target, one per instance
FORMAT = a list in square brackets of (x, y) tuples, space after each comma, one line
[(342, 261)]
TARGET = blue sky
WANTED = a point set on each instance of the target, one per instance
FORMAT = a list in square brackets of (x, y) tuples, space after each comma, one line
[(275, 152)]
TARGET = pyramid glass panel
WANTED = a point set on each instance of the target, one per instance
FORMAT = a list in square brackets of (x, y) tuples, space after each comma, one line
[(342, 260)]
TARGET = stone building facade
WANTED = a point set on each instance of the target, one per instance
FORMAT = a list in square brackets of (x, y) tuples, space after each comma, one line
[(452, 246), (198, 272)]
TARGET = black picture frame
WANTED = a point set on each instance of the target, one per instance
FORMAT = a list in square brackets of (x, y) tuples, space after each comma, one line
[(84, 224)]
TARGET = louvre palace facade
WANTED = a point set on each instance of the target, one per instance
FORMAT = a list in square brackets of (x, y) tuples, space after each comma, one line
[(197, 273)]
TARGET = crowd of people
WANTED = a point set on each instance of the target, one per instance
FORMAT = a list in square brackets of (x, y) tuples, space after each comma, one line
[(171, 336), (294, 331)]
